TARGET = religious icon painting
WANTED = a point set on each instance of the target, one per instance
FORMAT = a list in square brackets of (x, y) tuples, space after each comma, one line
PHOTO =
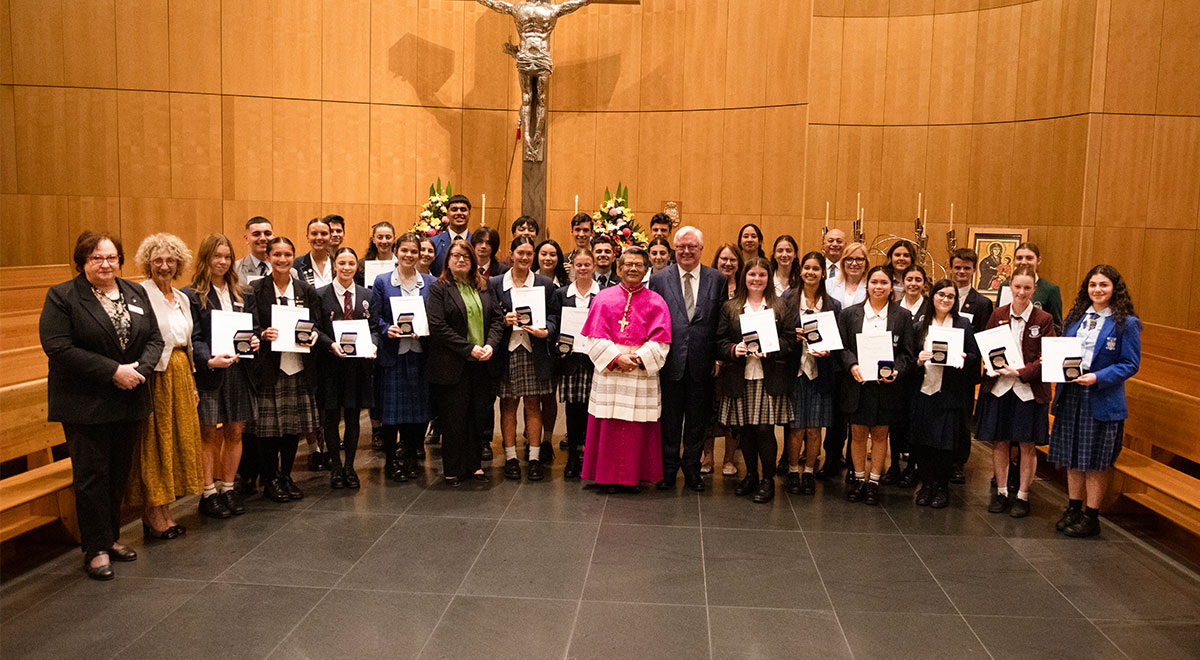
[(996, 249)]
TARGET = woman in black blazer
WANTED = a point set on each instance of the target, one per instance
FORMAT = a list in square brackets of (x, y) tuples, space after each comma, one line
[(871, 406), (466, 325), (937, 403), (226, 395), (755, 389), (102, 342), (344, 386), (285, 382), (575, 368)]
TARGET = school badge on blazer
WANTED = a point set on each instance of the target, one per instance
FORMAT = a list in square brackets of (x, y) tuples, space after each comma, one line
[(1111, 344), (1035, 331)]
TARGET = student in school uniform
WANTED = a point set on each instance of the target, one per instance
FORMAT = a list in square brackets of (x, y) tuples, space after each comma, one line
[(913, 282), (285, 382), (575, 368), (977, 309), (345, 382), (872, 406), (1014, 407), (402, 385), (937, 405), (1090, 412)]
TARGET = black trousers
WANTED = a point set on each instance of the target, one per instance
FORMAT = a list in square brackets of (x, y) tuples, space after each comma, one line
[(686, 411), (100, 458), (330, 419), (464, 410), (577, 419), (838, 431)]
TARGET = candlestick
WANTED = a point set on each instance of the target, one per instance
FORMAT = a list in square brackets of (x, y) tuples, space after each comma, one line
[(951, 216), (858, 206), (827, 215), (576, 204), (918, 205), (483, 218)]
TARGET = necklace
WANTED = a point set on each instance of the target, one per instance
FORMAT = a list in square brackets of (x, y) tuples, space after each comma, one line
[(624, 322)]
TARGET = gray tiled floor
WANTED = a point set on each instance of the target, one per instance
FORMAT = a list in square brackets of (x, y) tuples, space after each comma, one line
[(554, 570)]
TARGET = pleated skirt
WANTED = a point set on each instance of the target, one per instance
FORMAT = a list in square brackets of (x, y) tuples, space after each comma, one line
[(1080, 441), (755, 407), (233, 401), (287, 408), (166, 456)]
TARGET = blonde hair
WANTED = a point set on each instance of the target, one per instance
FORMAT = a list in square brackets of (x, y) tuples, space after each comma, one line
[(202, 279), (163, 243), (851, 248)]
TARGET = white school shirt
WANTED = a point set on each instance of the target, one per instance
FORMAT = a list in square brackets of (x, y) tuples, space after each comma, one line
[(1023, 390), (321, 279), (289, 363), (932, 382), (874, 323), (582, 300), (1090, 337), (519, 336)]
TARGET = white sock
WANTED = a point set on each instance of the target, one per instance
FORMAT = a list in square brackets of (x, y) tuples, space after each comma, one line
[(794, 468), (874, 478), (510, 452), (210, 489), (1002, 491), (224, 487), (1023, 495), (807, 470), (860, 475), (535, 452)]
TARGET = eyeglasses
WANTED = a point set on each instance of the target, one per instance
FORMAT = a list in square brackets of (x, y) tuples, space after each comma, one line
[(98, 259), (944, 296), (680, 247), (464, 257), (855, 260)]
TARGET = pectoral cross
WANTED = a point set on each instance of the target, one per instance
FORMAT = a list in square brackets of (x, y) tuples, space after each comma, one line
[(624, 323)]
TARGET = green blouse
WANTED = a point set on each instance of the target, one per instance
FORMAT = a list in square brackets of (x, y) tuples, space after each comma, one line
[(470, 296)]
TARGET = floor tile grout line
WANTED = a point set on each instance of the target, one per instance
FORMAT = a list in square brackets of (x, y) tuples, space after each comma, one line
[(299, 621), (586, 574), (396, 522), (704, 574), (816, 566)]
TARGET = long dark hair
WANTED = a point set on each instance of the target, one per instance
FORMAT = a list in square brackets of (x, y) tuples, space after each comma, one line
[(925, 321), (1121, 302), (757, 232), (560, 269), (794, 274), (736, 303), (798, 290), (891, 270), (372, 253), (478, 280)]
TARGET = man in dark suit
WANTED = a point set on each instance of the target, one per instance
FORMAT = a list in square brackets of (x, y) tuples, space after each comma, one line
[(694, 295), (458, 215), (976, 308), (603, 254)]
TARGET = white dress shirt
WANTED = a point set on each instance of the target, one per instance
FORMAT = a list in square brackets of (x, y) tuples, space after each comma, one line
[(224, 297), (1091, 335), (289, 363), (321, 279), (519, 336), (581, 299), (1023, 391), (874, 323)]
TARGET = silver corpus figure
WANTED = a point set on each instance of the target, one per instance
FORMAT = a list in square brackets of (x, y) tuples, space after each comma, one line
[(535, 20)]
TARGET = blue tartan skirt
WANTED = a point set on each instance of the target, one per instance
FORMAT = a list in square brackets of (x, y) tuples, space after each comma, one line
[(1079, 440), (402, 391), (814, 409)]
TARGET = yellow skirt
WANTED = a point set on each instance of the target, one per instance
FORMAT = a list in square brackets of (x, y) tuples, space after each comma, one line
[(166, 458)]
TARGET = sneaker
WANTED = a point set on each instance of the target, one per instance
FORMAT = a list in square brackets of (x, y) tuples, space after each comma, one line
[(214, 507), (1019, 509), (999, 503)]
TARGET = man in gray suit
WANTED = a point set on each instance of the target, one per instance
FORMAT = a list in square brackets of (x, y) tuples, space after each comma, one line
[(694, 295), (259, 232)]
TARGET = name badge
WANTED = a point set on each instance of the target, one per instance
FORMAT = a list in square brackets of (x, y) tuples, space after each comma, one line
[(135, 309)]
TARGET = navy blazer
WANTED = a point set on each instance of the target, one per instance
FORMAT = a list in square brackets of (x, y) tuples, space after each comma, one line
[(449, 347), (979, 307), (543, 363), (1118, 355), (827, 367), (206, 377), (389, 348), (366, 306), (266, 364), (441, 245), (693, 343), (83, 354), (899, 323), (572, 362), (954, 381)]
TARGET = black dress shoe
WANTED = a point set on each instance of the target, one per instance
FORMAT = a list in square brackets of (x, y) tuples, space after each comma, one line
[(854, 489), (276, 491), (1020, 508), (165, 535), (572, 470), (179, 530), (122, 554), (412, 468), (665, 484), (376, 438), (534, 470), (400, 469), (999, 503), (244, 487), (941, 499), (791, 483), (213, 506), (871, 496), (958, 476), (1084, 527), (808, 483), (612, 489), (746, 486), (481, 477), (337, 479), (694, 484), (293, 491), (512, 469), (765, 492), (316, 461), (1069, 517), (233, 502), (453, 482), (102, 573), (352, 478), (908, 478), (781, 468), (891, 476), (486, 453), (925, 495)]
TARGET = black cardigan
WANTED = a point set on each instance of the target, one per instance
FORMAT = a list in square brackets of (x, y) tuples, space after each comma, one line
[(266, 364), (900, 324)]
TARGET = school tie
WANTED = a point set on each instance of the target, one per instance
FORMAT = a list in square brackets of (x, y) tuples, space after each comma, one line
[(832, 271), (262, 268), (282, 300), (689, 298), (348, 305), (1092, 318)]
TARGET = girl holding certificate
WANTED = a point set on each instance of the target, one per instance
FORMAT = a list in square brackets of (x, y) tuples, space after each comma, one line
[(812, 397), (524, 364), (913, 299), (937, 405), (1014, 406), (381, 248), (345, 386), (226, 399), (755, 388), (285, 381), (872, 405), (401, 386), (728, 262), (1090, 412), (575, 368)]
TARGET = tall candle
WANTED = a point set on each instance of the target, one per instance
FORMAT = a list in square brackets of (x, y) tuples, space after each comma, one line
[(918, 205), (826, 215), (576, 204), (483, 219), (951, 216), (858, 206)]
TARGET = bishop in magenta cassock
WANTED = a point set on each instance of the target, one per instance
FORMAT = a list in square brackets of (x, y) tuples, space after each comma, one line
[(629, 328)]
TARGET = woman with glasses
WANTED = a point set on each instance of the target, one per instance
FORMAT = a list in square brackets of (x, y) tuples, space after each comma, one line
[(849, 287)]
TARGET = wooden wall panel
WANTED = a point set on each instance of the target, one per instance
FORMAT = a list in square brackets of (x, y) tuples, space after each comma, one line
[(439, 149), (296, 151), (41, 147), (247, 148), (194, 36), (1036, 189), (704, 46), (864, 67), (996, 57), (1134, 39), (991, 174), (908, 73), (618, 62), (859, 170), (911, 7), (820, 175), (616, 138), (1174, 189), (189, 219), (486, 73), (574, 46), (89, 43), (1180, 65), (345, 54), (703, 142), (36, 30), (393, 155), (144, 126), (345, 152), (1160, 298), (439, 52), (1125, 157), (196, 161), (572, 163), (41, 237), (487, 149), (6, 65), (784, 137), (746, 54), (662, 47), (393, 51), (246, 47), (952, 68), (825, 70), (786, 34), (91, 126), (8, 141), (296, 49), (742, 182), (141, 42), (660, 160), (904, 162), (94, 214)]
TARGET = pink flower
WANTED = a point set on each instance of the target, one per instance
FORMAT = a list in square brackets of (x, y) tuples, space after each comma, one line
[(625, 231), (430, 232), (614, 212)]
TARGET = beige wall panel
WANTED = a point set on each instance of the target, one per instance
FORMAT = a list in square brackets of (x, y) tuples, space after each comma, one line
[(860, 170), (825, 70), (1040, 58), (357, 217), (92, 142), (234, 214), (865, 8), (660, 160), (246, 47), (1125, 157), (393, 51), (1035, 190), (145, 143), (820, 175), (864, 69), (743, 155), (393, 155), (617, 138), (952, 68), (704, 47), (291, 220), (41, 235), (774, 226), (1060, 248), (89, 43), (345, 50), (487, 72), (663, 39), (398, 215), (1099, 59), (1175, 173), (6, 67), (702, 178), (785, 134), (911, 7), (41, 144), (439, 52), (439, 149), (904, 163), (296, 151), (487, 151), (826, 8), (1079, 27), (247, 148), (143, 61), (946, 6), (194, 30), (1161, 298), (991, 174), (94, 214), (36, 30), (1121, 248), (997, 49), (572, 162), (908, 78), (575, 50), (295, 49), (1134, 39), (1179, 70), (1194, 317), (618, 61), (189, 219), (748, 50), (345, 153), (8, 142), (1071, 158), (196, 146)]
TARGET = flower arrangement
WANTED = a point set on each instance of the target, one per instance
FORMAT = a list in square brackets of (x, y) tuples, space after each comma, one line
[(615, 221), (433, 211)]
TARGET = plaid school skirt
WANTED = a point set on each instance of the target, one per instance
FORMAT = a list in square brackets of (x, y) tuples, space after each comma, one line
[(755, 407), (1079, 441), (402, 391), (522, 380), (288, 408), (814, 409), (233, 401), (576, 387)]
